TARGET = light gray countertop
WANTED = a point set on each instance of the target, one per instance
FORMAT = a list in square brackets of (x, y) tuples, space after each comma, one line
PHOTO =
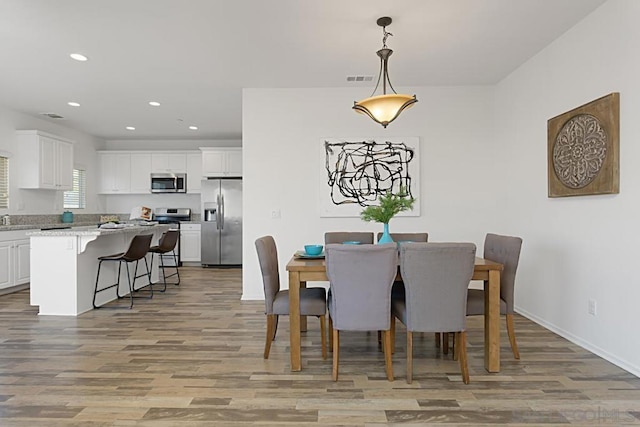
[(93, 230), (74, 225)]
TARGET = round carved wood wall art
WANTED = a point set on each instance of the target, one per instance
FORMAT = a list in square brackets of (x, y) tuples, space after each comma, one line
[(579, 151)]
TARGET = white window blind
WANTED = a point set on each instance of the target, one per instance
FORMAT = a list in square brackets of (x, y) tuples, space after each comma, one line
[(4, 182), (77, 197)]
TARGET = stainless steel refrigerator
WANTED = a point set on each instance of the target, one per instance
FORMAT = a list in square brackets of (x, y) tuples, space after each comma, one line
[(221, 235)]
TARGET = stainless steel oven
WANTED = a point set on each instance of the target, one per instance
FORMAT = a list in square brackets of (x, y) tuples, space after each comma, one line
[(168, 182), (172, 216)]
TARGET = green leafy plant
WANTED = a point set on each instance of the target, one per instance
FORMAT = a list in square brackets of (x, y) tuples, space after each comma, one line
[(390, 205)]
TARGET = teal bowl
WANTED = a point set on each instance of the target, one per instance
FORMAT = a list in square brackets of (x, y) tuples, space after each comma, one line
[(313, 250)]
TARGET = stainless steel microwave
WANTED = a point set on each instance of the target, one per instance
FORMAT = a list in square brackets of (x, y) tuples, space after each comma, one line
[(168, 182)]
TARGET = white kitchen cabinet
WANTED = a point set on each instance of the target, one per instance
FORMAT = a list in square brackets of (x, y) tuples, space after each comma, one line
[(22, 266), (14, 259), (194, 172), (190, 242), (169, 162), (129, 172), (221, 162), (6, 264), (46, 161), (140, 173), (115, 173)]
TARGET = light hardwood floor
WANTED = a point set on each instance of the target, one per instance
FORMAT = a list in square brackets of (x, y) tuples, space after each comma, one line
[(193, 357)]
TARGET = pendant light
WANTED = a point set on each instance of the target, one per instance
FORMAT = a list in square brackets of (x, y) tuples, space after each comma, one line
[(384, 108)]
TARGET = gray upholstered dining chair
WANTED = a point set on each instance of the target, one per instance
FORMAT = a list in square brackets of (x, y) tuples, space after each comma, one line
[(313, 301), (436, 278), (506, 251), (398, 286), (361, 277), (363, 237)]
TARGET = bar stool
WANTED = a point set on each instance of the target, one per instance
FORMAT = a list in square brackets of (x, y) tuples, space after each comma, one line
[(167, 244), (138, 249)]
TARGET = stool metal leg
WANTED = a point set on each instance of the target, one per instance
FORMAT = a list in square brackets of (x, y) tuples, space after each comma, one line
[(147, 274), (95, 290), (163, 268), (177, 273), (115, 285), (164, 276), (130, 284)]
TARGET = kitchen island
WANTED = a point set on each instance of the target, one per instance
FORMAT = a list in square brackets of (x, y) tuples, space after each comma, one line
[(64, 264)]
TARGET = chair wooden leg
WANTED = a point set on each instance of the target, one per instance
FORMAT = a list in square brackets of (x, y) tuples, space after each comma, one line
[(445, 342), (388, 362), (271, 329), (461, 338), (323, 332), (453, 348), (336, 351), (393, 334), (330, 333), (437, 335), (512, 336), (409, 357)]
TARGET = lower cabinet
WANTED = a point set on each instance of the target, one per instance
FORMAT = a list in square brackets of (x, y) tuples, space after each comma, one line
[(14, 260), (190, 242), (6, 264)]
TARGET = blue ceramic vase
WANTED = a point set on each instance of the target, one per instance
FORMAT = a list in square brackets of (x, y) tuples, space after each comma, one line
[(386, 237)]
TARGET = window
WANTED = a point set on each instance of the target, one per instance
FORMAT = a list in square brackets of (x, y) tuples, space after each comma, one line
[(77, 197), (4, 182)]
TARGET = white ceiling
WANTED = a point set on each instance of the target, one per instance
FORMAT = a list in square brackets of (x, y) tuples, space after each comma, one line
[(195, 56)]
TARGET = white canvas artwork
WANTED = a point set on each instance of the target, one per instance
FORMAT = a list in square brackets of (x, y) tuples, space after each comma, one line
[(354, 172)]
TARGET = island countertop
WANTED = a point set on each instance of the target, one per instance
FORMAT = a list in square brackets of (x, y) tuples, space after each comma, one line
[(93, 230)]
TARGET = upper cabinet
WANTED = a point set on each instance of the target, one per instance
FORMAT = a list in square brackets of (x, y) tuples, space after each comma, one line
[(141, 173), (115, 173), (47, 161), (169, 162), (221, 162), (194, 172), (129, 172)]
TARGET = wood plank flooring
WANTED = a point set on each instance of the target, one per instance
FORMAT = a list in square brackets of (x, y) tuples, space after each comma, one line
[(193, 357)]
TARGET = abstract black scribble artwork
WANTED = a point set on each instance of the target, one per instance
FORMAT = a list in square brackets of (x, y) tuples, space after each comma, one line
[(359, 172)]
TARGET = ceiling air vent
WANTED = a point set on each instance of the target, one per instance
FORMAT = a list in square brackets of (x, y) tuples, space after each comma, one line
[(359, 79), (52, 115)]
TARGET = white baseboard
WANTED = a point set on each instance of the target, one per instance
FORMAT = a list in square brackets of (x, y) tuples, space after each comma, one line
[(629, 367)]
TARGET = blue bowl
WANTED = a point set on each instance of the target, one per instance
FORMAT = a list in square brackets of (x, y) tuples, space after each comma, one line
[(313, 249), (351, 242)]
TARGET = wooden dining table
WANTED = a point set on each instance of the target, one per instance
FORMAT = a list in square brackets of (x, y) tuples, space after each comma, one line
[(302, 271)]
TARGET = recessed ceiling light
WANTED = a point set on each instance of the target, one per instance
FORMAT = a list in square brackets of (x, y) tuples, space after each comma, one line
[(79, 57), (73, 104), (130, 128), (154, 103), (193, 127)]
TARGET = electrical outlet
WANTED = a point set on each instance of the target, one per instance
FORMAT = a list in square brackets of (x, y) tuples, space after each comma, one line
[(592, 307), (275, 214)]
